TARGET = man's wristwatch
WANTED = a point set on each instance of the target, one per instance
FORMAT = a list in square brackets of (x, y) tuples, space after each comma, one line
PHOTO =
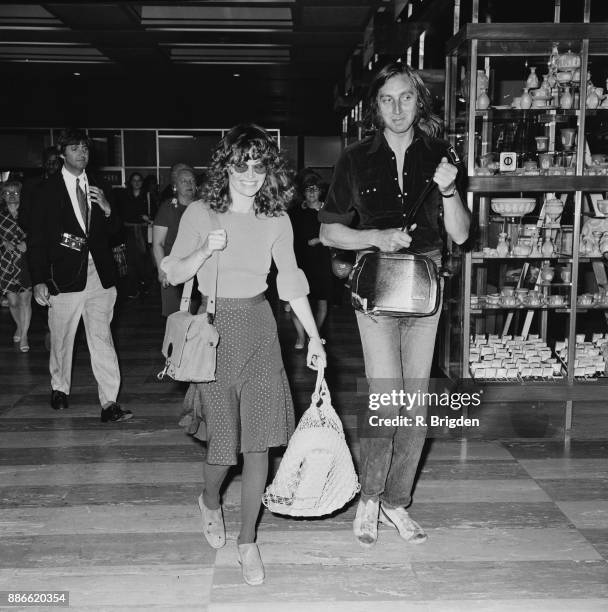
[(449, 195)]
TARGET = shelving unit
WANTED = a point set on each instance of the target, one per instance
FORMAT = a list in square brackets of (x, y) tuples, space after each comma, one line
[(500, 51)]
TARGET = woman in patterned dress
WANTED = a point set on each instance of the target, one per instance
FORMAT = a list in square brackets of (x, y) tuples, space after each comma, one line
[(14, 274), (249, 408)]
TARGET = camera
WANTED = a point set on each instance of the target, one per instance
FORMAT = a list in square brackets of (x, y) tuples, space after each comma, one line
[(75, 243)]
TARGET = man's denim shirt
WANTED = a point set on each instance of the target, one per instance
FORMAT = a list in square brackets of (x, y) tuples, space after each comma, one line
[(365, 193)]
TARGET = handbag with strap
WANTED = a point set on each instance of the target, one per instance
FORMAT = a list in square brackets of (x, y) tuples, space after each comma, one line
[(398, 284), (190, 343)]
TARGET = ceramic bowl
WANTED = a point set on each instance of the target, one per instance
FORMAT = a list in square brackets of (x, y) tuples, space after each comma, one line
[(513, 207)]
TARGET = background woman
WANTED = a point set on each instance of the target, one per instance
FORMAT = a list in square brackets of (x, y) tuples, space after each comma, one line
[(248, 409), (133, 210), (312, 256), (14, 274), (166, 224)]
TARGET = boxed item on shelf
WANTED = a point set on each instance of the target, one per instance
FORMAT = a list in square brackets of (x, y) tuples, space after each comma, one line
[(496, 358), (590, 357)]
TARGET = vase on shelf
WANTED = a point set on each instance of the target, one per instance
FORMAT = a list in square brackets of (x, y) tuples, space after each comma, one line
[(483, 100), (535, 248), (482, 81), (532, 80), (547, 248), (565, 100), (545, 88), (547, 272), (593, 100), (552, 63), (526, 99), (502, 248)]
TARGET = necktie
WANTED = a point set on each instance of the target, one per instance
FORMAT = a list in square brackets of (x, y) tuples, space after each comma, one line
[(82, 203)]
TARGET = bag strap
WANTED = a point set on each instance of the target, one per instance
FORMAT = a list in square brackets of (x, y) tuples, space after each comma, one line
[(452, 155), (189, 284)]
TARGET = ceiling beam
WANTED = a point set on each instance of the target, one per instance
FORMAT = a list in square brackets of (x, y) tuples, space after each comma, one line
[(330, 37)]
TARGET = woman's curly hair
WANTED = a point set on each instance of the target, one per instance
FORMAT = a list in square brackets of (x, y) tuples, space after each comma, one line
[(244, 142)]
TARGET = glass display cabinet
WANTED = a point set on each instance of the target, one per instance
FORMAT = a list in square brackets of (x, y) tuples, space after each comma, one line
[(527, 109)]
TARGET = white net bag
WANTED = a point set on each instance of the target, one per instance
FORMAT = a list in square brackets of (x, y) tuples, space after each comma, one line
[(316, 475)]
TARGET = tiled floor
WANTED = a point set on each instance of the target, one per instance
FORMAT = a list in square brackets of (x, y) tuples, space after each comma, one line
[(109, 512)]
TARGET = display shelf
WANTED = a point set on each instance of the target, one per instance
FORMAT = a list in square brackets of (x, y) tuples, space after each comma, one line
[(480, 257), (479, 51), (555, 390), (499, 184)]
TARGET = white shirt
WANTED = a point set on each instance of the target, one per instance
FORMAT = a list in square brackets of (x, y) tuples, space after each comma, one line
[(70, 182)]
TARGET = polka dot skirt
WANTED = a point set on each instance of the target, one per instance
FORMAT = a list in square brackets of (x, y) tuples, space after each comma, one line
[(249, 407)]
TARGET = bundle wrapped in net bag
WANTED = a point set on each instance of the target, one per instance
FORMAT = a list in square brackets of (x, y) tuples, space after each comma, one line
[(316, 475)]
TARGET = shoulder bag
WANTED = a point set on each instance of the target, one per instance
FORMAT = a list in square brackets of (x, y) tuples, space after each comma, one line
[(190, 343)]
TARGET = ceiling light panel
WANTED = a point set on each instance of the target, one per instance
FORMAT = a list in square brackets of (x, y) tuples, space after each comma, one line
[(27, 15), (221, 17), (50, 53)]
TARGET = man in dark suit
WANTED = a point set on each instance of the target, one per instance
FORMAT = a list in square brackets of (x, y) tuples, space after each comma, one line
[(74, 274)]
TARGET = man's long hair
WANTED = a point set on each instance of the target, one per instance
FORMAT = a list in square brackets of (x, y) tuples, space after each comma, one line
[(428, 121), (242, 143)]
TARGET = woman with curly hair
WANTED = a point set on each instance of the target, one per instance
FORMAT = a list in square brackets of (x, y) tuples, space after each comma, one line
[(249, 408), (14, 273)]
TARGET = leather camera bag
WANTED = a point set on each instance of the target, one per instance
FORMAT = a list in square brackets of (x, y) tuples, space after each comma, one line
[(190, 343), (395, 284)]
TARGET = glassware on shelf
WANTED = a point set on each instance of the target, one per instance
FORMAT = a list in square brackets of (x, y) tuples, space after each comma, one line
[(502, 248), (593, 100), (482, 81), (545, 160), (483, 100), (568, 138), (547, 249), (547, 273), (566, 100), (553, 209), (532, 80), (535, 247), (525, 100), (553, 58), (513, 207), (545, 87), (568, 61), (523, 248)]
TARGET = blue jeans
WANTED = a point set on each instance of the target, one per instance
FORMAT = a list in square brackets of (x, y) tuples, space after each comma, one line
[(398, 354)]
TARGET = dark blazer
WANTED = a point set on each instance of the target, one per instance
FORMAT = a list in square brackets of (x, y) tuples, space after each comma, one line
[(65, 270)]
